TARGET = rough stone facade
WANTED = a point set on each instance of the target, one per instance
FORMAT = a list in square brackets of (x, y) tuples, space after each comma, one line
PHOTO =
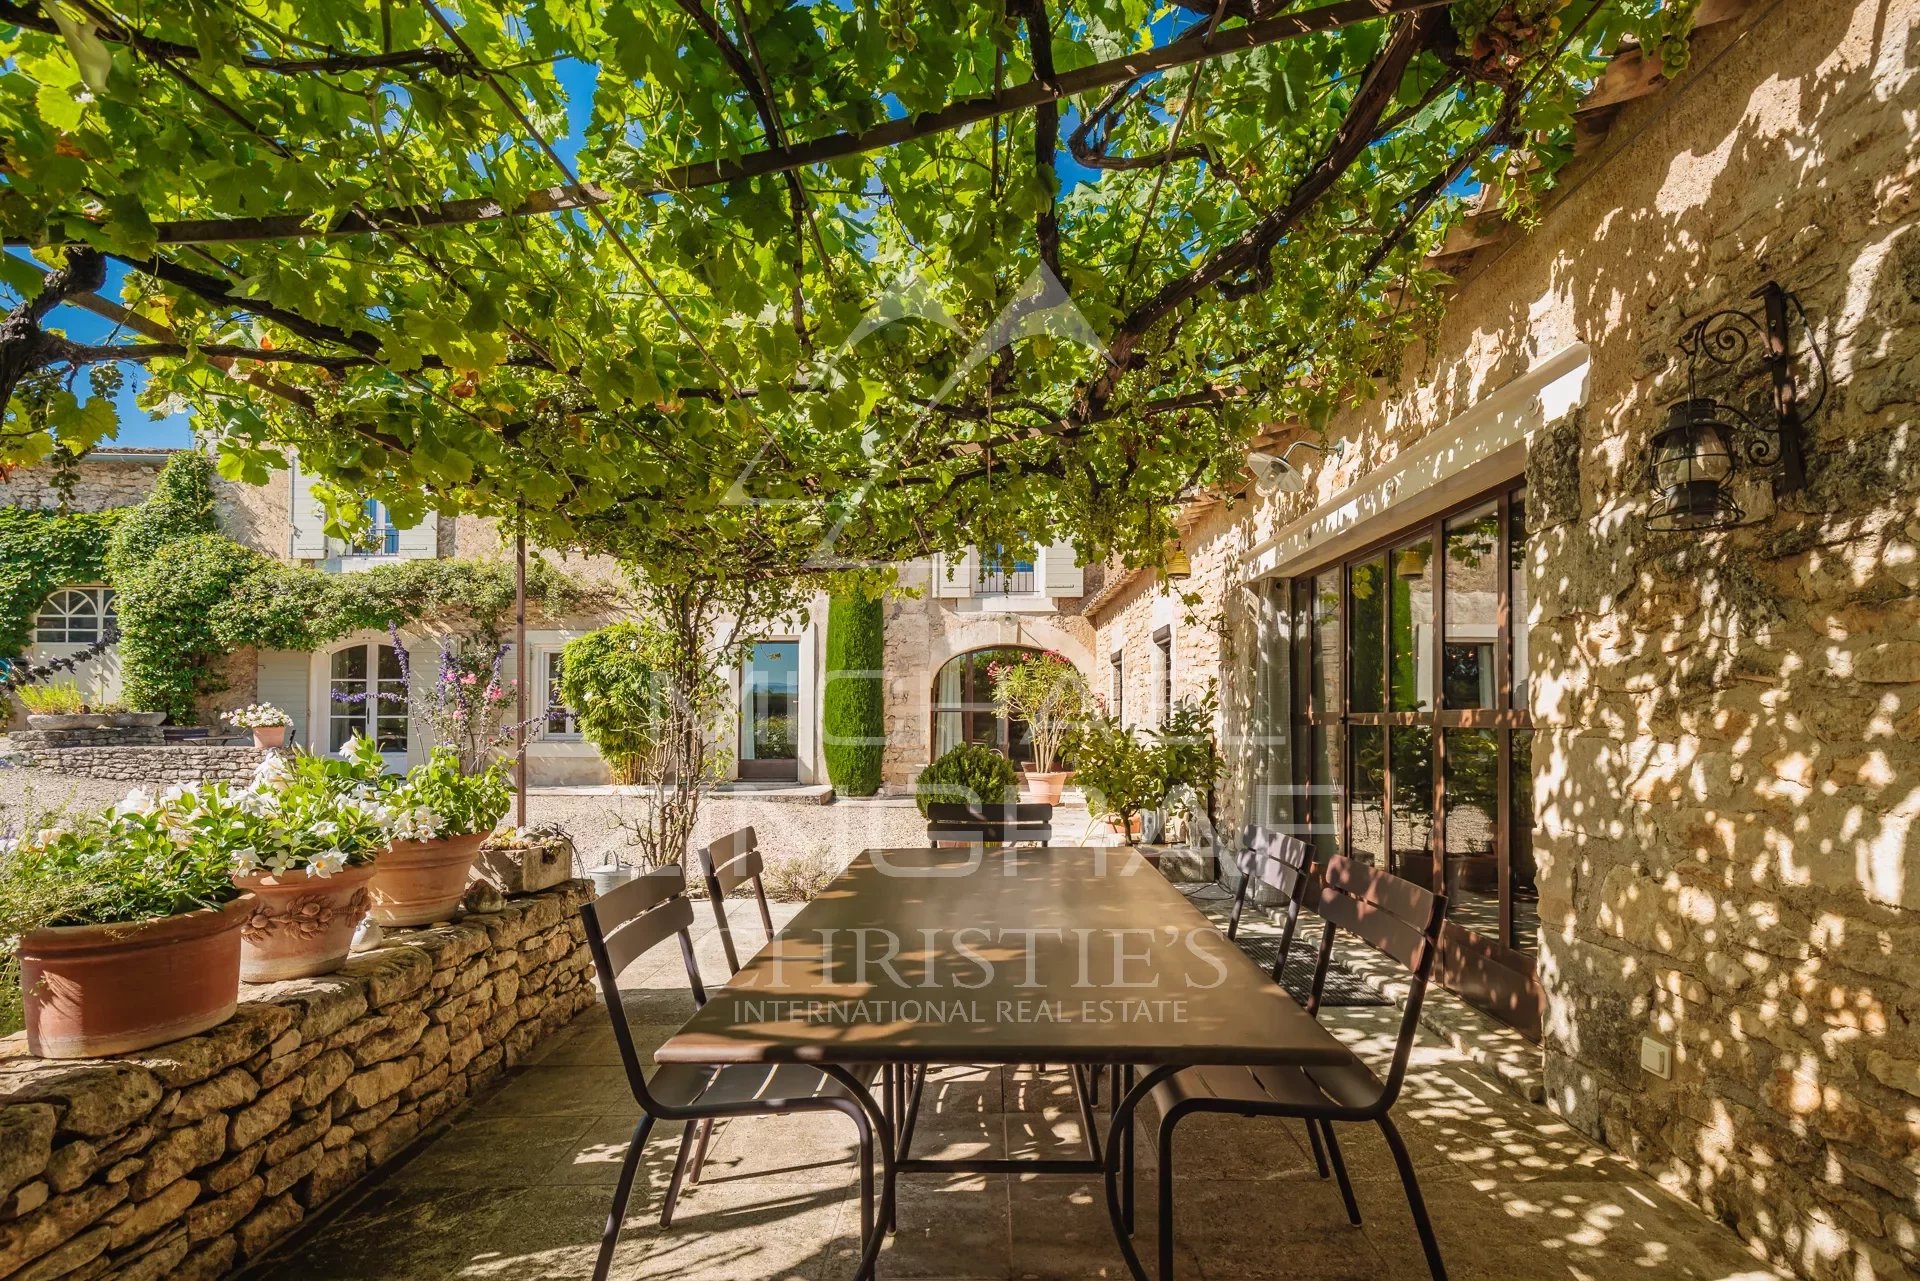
[(103, 480), (1728, 751), (137, 765), (191, 1160)]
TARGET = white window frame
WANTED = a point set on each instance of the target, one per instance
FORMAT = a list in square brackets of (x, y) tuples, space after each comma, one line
[(546, 693), (383, 537), (101, 599)]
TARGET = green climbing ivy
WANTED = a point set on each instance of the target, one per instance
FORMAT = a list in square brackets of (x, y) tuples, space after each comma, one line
[(189, 595), (853, 712), (41, 552)]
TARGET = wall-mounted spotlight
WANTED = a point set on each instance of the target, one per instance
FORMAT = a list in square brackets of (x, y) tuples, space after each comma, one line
[(1277, 473)]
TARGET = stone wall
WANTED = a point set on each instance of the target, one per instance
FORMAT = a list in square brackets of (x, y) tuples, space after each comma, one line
[(191, 1160), (100, 483), (1727, 763), (140, 765)]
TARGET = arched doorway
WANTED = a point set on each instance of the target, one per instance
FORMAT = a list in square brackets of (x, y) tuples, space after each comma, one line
[(963, 710), (366, 694)]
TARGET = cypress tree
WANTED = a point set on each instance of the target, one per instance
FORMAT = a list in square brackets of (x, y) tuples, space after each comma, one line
[(853, 714)]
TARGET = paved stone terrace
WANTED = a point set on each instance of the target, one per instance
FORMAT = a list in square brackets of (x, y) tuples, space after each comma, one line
[(517, 1186)]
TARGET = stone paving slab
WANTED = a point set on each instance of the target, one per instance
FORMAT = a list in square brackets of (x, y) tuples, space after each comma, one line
[(518, 1186)]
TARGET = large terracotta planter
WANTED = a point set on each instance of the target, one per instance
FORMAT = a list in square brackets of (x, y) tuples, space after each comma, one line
[(269, 735), (111, 989), (1046, 788), (418, 882), (301, 925)]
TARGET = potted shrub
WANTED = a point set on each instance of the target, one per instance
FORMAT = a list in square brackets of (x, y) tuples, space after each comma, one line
[(268, 723), (440, 817), (1190, 764), (1047, 692), (966, 774), (127, 926), (59, 707), (1122, 776), (304, 838)]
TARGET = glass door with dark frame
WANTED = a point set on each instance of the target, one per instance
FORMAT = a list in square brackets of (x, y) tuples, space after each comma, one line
[(1412, 742)]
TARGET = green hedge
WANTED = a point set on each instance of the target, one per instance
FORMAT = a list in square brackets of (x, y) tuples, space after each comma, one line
[(853, 714), (41, 552)]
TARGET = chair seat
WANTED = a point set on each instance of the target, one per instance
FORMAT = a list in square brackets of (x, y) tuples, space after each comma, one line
[(1254, 1091), (736, 1085)]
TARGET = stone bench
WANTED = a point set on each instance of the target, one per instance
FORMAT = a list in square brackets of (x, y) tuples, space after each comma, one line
[(192, 1159)]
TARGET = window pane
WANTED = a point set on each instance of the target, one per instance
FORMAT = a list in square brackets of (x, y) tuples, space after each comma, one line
[(1412, 747), (1412, 608), (347, 696), (1322, 809), (1366, 793), (1366, 631), (559, 718), (1473, 609), (1526, 888), (1517, 614), (1326, 643), (390, 714), (1473, 821)]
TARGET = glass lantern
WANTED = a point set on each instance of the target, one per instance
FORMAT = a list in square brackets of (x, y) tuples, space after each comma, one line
[(1693, 468)]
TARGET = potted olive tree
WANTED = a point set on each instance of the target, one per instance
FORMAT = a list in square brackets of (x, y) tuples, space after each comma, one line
[(1123, 777), (1049, 694), (127, 923)]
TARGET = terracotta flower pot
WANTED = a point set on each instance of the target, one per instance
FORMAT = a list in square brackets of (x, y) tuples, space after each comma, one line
[(301, 925), (417, 882), (269, 735), (111, 989), (1046, 787)]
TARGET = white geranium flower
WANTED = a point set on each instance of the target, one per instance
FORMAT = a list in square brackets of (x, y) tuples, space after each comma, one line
[(326, 863), (272, 771), (139, 801), (246, 860)]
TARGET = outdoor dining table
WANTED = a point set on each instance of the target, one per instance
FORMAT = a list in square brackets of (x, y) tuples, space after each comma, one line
[(1085, 957)]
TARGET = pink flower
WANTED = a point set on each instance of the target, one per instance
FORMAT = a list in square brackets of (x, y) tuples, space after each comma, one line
[(469, 679)]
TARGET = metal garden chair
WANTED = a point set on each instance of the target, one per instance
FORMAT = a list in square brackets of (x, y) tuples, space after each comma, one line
[(622, 925), (1395, 917)]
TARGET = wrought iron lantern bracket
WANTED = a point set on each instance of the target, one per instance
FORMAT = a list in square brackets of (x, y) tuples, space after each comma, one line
[(1707, 441)]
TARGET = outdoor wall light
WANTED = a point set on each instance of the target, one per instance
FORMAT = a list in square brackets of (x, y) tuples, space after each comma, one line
[(1706, 443), (1277, 474)]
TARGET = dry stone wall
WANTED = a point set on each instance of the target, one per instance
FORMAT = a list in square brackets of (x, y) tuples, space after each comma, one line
[(139, 765), (191, 1160)]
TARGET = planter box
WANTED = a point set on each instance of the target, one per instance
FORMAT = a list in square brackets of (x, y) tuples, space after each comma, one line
[(526, 868)]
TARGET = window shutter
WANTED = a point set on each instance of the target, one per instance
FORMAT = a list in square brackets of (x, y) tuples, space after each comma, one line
[(309, 520), (953, 575), (422, 542), (1063, 576)]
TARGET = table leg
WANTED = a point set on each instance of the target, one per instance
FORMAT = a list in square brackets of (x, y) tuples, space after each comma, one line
[(1119, 1149), (1126, 1154), (883, 1136)]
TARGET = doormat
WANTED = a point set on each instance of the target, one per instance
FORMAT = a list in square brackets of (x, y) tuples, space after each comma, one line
[(1342, 988)]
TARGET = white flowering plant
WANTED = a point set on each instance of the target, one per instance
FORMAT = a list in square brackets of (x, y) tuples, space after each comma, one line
[(316, 814), (439, 798), (257, 716)]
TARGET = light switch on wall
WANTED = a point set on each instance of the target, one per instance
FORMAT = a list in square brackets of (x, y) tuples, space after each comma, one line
[(1656, 1058)]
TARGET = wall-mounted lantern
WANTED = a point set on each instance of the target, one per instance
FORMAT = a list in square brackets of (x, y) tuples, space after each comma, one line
[(1707, 444)]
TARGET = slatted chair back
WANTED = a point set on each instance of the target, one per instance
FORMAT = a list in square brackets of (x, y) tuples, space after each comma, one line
[(1394, 917), (625, 924), (1283, 866), (726, 865), (972, 824), (1253, 840)]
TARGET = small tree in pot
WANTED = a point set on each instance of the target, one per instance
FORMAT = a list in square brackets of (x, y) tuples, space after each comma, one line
[(1121, 775), (1049, 694)]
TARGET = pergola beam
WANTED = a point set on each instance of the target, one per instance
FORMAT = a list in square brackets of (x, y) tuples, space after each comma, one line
[(785, 159)]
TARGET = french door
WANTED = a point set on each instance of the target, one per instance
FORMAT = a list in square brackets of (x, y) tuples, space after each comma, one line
[(367, 697), (1412, 739)]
